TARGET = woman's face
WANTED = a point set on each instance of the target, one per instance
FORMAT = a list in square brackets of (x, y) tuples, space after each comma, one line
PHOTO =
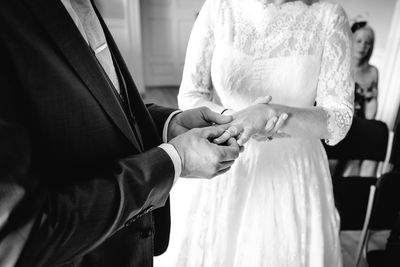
[(363, 42)]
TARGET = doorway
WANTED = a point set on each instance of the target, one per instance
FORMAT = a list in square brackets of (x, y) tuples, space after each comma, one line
[(166, 27)]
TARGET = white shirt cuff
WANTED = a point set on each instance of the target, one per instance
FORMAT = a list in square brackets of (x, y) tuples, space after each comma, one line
[(166, 125), (176, 159)]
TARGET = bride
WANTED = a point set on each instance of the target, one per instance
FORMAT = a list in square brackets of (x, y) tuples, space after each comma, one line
[(275, 206)]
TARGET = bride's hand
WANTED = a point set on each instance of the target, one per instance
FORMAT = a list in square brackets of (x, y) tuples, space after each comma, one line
[(272, 129), (258, 118), (273, 125)]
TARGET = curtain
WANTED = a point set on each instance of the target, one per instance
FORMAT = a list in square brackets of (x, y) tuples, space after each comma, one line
[(389, 84)]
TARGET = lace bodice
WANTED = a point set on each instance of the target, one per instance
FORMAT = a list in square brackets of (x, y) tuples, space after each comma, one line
[(240, 50)]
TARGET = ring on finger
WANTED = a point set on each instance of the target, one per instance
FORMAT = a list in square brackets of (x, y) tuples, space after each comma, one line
[(228, 132), (231, 130)]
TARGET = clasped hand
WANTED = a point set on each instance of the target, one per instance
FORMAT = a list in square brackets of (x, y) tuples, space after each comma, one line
[(208, 143), (192, 133), (259, 121)]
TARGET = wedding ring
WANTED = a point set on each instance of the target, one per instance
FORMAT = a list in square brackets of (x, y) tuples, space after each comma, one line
[(227, 131)]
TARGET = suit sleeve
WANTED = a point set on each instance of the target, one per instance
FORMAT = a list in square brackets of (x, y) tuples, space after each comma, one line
[(77, 215), (159, 115)]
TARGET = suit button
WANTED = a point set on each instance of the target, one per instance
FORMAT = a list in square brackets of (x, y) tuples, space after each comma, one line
[(129, 222), (150, 208), (146, 233)]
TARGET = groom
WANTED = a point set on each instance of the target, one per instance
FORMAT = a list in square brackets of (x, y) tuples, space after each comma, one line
[(86, 168)]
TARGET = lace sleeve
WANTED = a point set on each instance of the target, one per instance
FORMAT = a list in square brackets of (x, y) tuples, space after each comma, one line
[(335, 92), (196, 88)]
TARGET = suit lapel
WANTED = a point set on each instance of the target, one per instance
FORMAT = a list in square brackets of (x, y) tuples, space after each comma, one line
[(57, 22), (149, 137)]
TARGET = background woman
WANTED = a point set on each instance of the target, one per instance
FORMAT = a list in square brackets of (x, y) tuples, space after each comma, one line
[(366, 94), (365, 75)]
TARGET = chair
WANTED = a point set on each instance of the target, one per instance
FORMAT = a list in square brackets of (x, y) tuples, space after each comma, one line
[(384, 199), (366, 140)]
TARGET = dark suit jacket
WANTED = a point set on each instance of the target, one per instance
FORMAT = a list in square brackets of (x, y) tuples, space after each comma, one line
[(95, 172)]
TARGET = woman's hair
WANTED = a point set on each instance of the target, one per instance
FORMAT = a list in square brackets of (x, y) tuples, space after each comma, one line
[(358, 25), (363, 25), (309, 2)]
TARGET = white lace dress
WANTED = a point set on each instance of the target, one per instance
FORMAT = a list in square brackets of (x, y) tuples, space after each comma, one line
[(275, 207)]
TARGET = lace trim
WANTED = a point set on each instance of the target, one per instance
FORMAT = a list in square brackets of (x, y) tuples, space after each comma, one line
[(339, 122), (200, 76), (277, 32)]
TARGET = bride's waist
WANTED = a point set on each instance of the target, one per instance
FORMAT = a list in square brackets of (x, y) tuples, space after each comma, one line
[(287, 146), (238, 102)]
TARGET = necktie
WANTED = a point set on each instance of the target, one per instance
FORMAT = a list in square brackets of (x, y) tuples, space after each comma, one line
[(95, 37)]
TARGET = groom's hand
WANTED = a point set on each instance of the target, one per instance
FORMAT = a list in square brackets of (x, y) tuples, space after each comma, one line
[(194, 118), (201, 158)]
